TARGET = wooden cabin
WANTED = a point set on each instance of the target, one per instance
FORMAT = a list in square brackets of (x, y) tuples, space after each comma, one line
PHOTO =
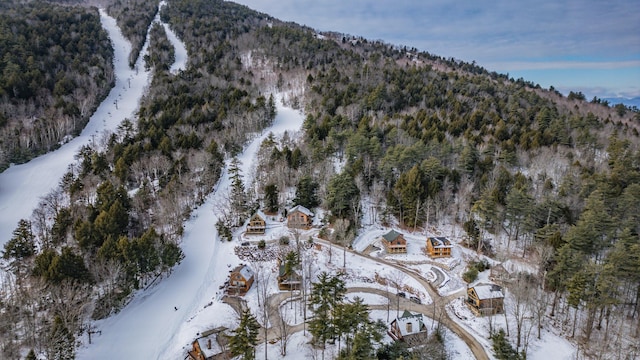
[(210, 346), (240, 280), (438, 247), (409, 328), (257, 224), (299, 217), (288, 279), (485, 299), (394, 242)]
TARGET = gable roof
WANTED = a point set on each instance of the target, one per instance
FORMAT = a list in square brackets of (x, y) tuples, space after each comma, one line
[(416, 321), (440, 242), (205, 342), (488, 291), (245, 271), (301, 209), (259, 214), (391, 235), (292, 274)]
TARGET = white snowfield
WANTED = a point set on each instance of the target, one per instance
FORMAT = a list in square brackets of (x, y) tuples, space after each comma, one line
[(180, 61), (150, 327), (162, 321), (22, 186)]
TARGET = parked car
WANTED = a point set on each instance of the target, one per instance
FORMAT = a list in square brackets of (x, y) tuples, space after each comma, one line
[(246, 243), (401, 294), (415, 299)]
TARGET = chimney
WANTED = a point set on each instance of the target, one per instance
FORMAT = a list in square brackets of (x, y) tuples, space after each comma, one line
[(209, 344)]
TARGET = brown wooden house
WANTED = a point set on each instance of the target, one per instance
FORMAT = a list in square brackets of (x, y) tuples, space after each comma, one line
[(438, 247), (485, 299), (299, 217), (409, 328), (240, 280), (257, 223), (394, 242), (288, 279), (210, 346)]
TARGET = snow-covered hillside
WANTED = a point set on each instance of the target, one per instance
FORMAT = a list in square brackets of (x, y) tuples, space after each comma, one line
[(22, 186)]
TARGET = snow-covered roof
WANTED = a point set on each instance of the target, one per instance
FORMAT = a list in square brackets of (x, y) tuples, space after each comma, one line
[(440, 242), (245, 271), (209, 345), (488, 291), (260, 214), (416, 321), (302, 209), (391, 235)]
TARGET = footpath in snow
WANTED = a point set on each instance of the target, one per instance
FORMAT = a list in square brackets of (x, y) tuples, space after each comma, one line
[(150, 327), (22, 186)]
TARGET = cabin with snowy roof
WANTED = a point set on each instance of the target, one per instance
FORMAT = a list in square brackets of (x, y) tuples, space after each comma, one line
[(299, 217), (409, 328), (240, 280), (394, 242), (257, 223), (438, 247), (210, 346), (485, 299)]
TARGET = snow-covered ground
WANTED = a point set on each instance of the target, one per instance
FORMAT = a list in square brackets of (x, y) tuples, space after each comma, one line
[(150, 327), (180, 61), (22, 186)]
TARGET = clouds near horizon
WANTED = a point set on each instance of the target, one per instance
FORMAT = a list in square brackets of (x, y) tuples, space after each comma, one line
[(501, 35)]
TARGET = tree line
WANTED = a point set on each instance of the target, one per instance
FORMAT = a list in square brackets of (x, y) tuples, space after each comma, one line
[(413, 137), (56, 68)]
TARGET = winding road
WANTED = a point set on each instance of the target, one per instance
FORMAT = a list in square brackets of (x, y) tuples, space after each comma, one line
[(436, 310)]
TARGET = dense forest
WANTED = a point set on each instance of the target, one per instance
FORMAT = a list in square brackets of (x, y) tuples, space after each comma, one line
[(133, 17), (423, 140), (56, 67)]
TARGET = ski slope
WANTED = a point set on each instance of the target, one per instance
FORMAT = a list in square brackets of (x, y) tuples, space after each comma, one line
[(150, 327), (22, 186)]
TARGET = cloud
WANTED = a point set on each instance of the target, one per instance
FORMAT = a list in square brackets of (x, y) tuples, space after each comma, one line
[(548, 65), (502, 35)]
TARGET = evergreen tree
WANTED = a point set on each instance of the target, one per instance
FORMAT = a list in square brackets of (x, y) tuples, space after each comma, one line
[(271, 198), (306, 193), (326, 294), (238, 196), (342, 192), (31, 355), (503, 349), (22, 243), (68, 265), (411, 192), (60, 342), (245, 337)]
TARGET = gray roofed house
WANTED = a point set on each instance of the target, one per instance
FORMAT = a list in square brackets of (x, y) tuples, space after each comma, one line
[(394, 242), (299, 217), (485, 299), (410, 328)]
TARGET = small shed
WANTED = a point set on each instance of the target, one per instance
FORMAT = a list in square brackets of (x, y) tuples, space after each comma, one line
[(394, 242), (485, 299), (438, 247), (240, 280), (410, 328), (500, 274), (299, 217)]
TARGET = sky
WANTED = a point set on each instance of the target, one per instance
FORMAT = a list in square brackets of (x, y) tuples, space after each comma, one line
[(579, 45)]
